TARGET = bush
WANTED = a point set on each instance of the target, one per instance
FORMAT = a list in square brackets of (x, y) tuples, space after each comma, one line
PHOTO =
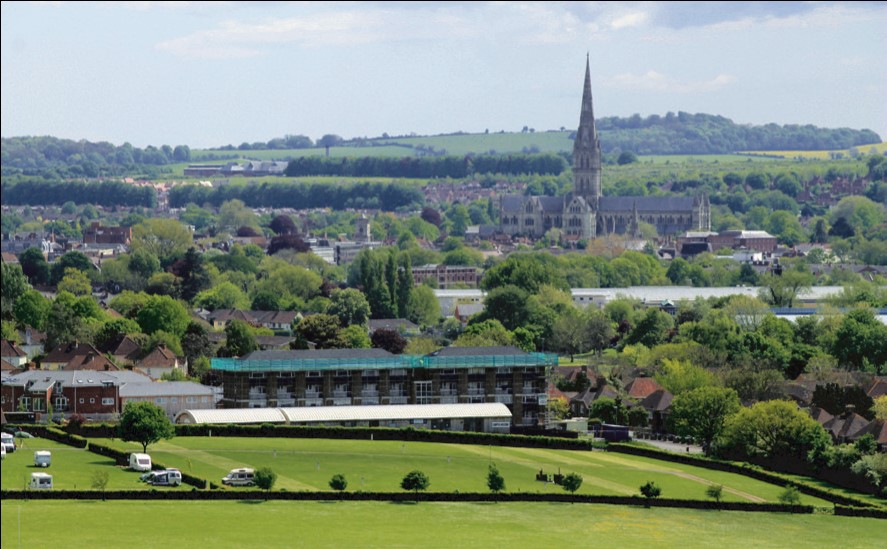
[(650, 491), (338, 483), (265, 478)]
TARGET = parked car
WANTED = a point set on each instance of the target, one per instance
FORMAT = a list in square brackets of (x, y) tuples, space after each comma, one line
[(168, 477)]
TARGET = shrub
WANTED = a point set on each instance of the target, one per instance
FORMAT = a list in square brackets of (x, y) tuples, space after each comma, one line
[(338, 482)]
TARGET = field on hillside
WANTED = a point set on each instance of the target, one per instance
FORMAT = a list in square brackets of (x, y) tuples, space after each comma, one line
[(308, 464), (222, 525), (879, 148)]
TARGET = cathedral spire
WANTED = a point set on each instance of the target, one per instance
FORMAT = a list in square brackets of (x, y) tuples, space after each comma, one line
[(587, 149)]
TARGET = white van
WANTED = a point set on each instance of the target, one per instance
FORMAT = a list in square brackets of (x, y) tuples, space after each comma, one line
[(140, 462), (42, 458), (8, 442), (40, 481), (240, 477)]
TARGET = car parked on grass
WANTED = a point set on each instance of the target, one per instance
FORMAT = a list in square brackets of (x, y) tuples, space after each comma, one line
[(240, 477), (167, 477)]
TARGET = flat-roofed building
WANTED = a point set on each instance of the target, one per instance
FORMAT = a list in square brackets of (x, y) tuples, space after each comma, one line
[(374, 377)]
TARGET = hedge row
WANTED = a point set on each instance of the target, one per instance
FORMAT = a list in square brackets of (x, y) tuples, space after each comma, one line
[(61, 437), (843, 511), (739, 468), (230, 495), (382, 433)]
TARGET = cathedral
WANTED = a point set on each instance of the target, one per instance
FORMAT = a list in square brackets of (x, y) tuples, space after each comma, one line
[(584, 213)]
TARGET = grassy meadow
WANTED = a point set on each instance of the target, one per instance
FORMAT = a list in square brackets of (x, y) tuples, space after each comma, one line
[(308, 464), (228, 524)]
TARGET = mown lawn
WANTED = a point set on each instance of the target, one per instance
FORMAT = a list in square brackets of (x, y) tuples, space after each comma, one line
[(221, 525), (308, 464), (71, 469)]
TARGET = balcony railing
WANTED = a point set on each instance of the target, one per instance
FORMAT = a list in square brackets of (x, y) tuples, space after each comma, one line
[(310, 402), (504, 399), (398, 399), (450, 399)]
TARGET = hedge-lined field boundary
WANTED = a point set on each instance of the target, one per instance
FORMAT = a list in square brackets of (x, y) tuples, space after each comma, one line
[(225, 495), (741, 469)]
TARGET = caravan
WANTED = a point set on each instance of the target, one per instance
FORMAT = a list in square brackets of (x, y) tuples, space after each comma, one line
[(40, 481), (42, 458), (140, 462)]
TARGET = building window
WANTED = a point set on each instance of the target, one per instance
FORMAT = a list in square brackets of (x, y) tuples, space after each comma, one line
[(191, 400), (61, 403), (423, 392), (25, 402), (107, 402), (160, 400), (39, 405), (92, 401), (82, 401), (257, 375), (175, 400)]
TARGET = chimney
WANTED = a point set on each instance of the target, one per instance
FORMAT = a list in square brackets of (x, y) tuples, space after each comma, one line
[(849, 410)]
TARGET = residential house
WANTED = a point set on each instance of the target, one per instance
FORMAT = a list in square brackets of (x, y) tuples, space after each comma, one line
[(127, 351), (658, 406), (161, 361), (32, 342), (580, 405), (11, 353), (878, 429), (279, 321), (400, 325), (465, 311), (76, 356), (642, 387), (845, 427)]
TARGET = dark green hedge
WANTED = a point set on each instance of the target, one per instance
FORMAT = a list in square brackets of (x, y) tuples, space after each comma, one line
[(739, 468), (382, 433), (254, 494), (860, 512)]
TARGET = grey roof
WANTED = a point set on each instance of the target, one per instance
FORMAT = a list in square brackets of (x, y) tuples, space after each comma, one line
[(478, 351), (392, 324), (76, 377), (645, 203), (318, 414), (304, 354), (165, 388)]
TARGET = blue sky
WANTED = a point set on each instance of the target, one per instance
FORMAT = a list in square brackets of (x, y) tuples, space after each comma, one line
[(212, 73)]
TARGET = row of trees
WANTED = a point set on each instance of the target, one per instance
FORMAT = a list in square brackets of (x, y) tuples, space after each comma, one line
[(456, 167), (35, 192)]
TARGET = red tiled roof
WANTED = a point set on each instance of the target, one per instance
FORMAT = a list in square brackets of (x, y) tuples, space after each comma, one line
[(90, 361), (65, 352), (643, 387), (8, 348)]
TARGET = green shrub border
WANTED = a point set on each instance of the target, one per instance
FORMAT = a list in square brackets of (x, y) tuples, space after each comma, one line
[(746, 469)]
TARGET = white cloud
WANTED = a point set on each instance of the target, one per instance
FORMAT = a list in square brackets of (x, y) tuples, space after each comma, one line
[(635, 19), (657, 82)]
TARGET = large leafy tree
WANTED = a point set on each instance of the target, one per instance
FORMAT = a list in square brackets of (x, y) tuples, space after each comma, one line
[(162, 312), (390, 340), (774, 429), (34, 266), (239, 339), (144, 422), (320, 329), (13, 284), (861, 341), (414, 481), (350, 306), (165, 239), (701, 412), (31, 309)]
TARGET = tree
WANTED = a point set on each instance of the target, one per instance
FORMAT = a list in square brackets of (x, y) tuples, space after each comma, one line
[(283, 224), (431, 215), (495, 482), (222, 296), (34, 266), (288, 242), (234, 214), (13, 284), (99, 481), (423, 307), (144, 422), (329, 140), (880, 407), (835, 399), (774, 429), (571, 482), (320, 329), (782, 290), (350, 306), (715, 492), (608, 410), (239, 339), (701, 413), (162, 312), (790, 496), (191, 269), (415, 481), (75, 282), (265, 478), (338, 483), (599, 329), (650, 491), (163, 238), (859, 341), (196, 343), (111, 332), (388, 339), (353, 337), (31, 309)]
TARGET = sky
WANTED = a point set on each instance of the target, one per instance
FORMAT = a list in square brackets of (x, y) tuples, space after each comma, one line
[(208, 74)]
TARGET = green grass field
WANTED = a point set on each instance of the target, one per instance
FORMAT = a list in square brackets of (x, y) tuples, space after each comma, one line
[(71, 469), (308, 464), (220, 525)]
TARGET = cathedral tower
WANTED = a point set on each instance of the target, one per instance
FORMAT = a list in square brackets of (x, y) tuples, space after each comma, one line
[(587, 150)]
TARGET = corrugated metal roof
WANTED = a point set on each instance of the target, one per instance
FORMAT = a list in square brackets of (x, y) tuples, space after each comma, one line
[(395, 412), (318, 414), (234, 415)]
